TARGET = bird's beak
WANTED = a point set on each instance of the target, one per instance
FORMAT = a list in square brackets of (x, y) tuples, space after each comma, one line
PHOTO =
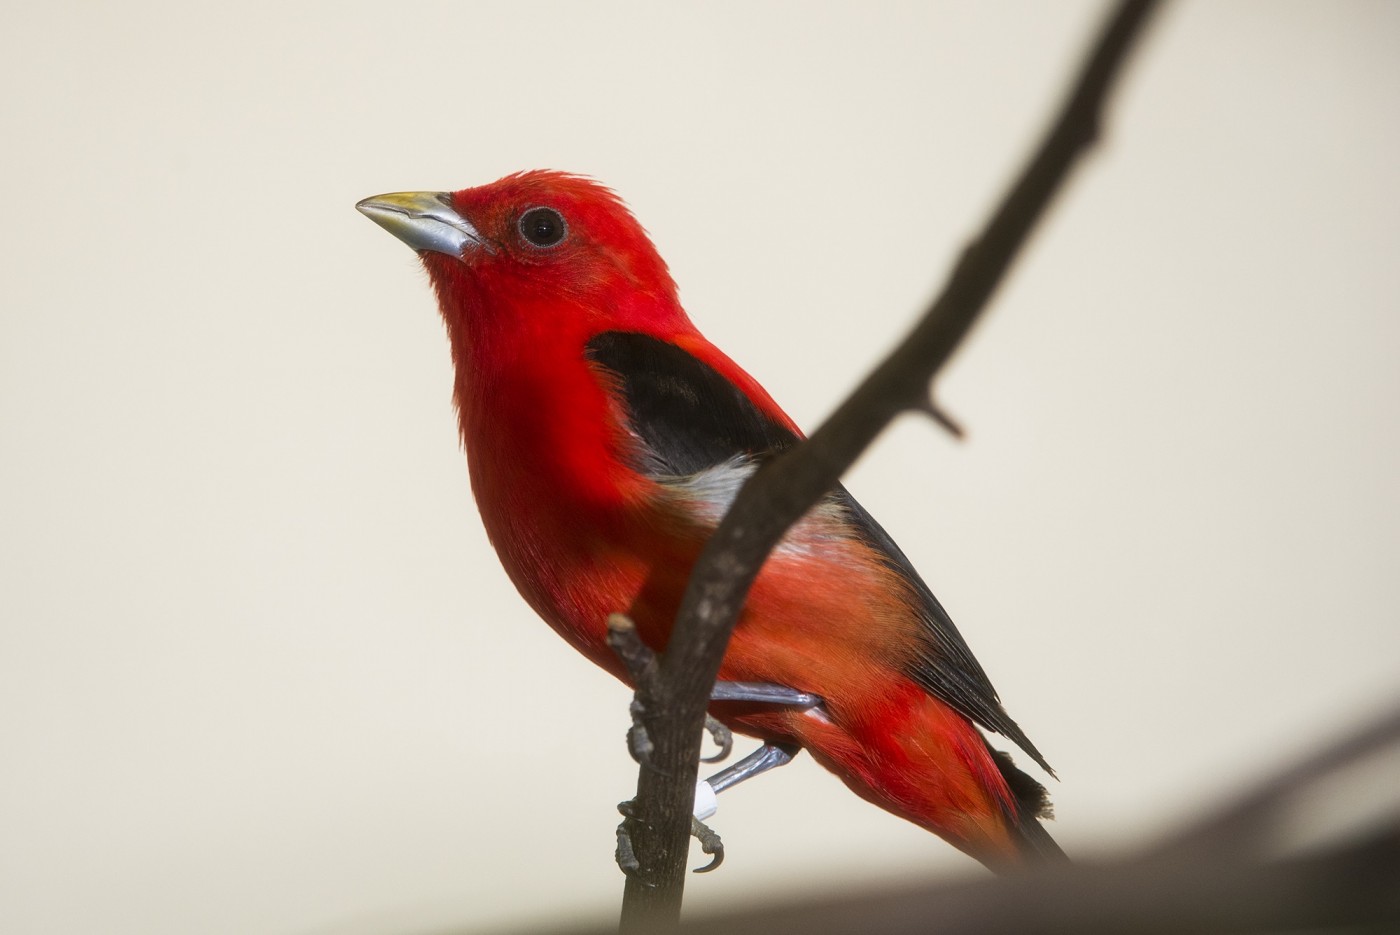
[(423, 220)]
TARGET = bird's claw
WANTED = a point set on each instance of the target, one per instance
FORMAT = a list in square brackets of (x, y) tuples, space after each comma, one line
[(723, 738), (709, 843), (626, 856), (638, 740)]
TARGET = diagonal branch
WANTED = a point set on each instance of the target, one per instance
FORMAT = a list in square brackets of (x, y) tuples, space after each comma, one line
[(782, 491)]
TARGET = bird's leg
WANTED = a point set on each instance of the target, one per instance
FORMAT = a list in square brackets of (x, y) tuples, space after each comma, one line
[(756, 692), (769, 756), (639, 742), (763, 693), (766, 757), (642, 665)]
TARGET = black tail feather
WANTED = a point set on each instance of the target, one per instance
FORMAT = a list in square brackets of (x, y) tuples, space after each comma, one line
[(1032, 806)]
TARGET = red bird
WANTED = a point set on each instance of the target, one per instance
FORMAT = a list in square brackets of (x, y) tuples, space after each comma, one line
[(606, 437)]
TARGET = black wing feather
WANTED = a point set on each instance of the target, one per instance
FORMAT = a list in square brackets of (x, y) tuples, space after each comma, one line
[(691, 417), (947, 669)]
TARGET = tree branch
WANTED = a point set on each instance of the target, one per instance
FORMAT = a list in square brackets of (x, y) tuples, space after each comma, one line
[(783, 490), (1223, 875)]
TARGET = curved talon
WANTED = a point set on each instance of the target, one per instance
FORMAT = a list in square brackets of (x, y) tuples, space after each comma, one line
[(625, 855), (709, 843), (638, 740), (639, 743), (722, 736)]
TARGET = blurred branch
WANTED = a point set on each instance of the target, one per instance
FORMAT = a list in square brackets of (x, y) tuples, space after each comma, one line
[(783, 490), (1245, 826), (1339, 890), (1215, 878)]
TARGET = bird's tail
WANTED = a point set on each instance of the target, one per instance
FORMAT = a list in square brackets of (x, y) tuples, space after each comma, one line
[(1031, 806), (920, 759)]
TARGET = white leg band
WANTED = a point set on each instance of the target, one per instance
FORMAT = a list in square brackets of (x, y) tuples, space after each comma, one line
[(706, 803)]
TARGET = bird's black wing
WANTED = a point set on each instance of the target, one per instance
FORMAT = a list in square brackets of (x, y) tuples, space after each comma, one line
[(691, 417), (688, 414), (946, 666)]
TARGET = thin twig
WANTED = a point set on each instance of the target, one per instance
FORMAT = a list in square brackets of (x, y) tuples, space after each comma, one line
[(781, 492)]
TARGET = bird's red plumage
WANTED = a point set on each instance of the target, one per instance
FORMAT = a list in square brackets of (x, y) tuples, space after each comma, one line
[(583, 533)]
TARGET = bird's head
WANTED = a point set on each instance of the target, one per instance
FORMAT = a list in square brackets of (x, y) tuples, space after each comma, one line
[(531, 250)]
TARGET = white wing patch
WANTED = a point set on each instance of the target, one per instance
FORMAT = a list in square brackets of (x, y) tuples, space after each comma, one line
[(710, 492), (707, 495)]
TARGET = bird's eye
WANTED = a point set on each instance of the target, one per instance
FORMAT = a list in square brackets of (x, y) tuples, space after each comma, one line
[(543, 227)]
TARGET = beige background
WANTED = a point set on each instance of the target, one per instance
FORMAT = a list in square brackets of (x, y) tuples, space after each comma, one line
[(259, 669)]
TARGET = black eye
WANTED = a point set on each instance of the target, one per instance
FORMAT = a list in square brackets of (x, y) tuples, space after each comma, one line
[(543, 227)]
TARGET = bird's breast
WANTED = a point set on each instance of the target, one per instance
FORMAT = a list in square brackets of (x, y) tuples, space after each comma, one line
[(558, 499)]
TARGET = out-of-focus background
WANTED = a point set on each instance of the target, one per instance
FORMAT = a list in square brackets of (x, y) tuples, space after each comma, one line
[(259, 668)]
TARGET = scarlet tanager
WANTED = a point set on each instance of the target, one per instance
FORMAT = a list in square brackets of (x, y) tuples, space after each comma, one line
[(606, 437)]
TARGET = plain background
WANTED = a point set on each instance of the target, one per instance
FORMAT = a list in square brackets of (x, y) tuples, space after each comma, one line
[(260, 670)]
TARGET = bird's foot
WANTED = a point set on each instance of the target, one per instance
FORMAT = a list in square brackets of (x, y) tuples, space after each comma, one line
[(723, 738), (638, 740), (709, 843), (640, 746), (626, 856)]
